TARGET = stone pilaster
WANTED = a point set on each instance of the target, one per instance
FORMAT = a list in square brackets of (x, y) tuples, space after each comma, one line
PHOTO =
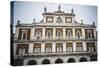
[(73, 32), (54, 33), (94, 32), (53, 47), (64, 47), (32, 33), (14, 48), (16, 32), (43, 32), (84, 46), (64, 32), (74, 46), (43, 47), (83, 33), (30, 50)]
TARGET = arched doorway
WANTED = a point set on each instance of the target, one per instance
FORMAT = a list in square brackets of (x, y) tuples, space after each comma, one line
[(83, 59), (32, 62), (59, 61), (71, 60), (46, 61)]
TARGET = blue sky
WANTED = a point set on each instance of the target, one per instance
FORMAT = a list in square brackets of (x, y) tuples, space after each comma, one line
[(27, 11)]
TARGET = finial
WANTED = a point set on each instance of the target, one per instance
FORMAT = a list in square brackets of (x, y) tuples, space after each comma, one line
[(72, 11), (34, 20), (59, 8), (81, 21), (93, 23), (18, 22), (45, 9)]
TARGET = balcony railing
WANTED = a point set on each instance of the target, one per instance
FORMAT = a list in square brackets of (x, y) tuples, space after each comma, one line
[(54, 54), (56, 38)]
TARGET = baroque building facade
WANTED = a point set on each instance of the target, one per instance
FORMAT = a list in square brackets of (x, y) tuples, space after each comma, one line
[(58, 38)]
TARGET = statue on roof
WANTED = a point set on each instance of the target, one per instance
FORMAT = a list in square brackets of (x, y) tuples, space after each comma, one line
[(18, 22), (72, 11), (59, 8), (93, 23), (45, 9), (81, 21), (34, 20)]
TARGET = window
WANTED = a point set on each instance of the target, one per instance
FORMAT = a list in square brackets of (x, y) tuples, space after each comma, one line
[(69, 33), (22, 49), (48, 47), (69, 47), (79, 46), (59, 32), (91, 47), (78, 33), (24, 34), (89, 33), (68, 19), (37, 48), (38, 32), (49, 32), (59, 47), (49, 19)]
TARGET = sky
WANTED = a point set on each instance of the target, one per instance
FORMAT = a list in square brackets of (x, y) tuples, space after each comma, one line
[(27, 11)]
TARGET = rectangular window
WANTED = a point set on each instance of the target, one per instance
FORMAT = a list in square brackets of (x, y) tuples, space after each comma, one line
[(59, 47), (22, 49), (49, 19), (79, 46), (69, 47), (48, 47), (78, 33), (37, 48), (89, 33), (91, 47), (68, 33)]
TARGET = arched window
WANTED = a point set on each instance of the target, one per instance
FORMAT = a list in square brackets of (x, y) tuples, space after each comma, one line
[(46, 61), (59, 61), (32, 62), (71, 60), (83, 59)]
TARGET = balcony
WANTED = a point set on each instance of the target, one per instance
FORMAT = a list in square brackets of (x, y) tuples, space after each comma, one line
[(51, 38), (42, 54)]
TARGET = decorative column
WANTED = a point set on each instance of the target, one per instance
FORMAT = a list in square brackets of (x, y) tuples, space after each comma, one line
[(64, 33), (74, 46), (64, 46), (84, 46), (94, 32), (83, 33), (43, 32), (53, 47), (14, 48), (43, 47), (54, 33), (44, 19), (30, 50), (95, 46), (73, 31), (32, 33), (16, 32)]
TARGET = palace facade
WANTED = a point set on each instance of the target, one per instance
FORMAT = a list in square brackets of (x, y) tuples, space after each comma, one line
[(57, 38)]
